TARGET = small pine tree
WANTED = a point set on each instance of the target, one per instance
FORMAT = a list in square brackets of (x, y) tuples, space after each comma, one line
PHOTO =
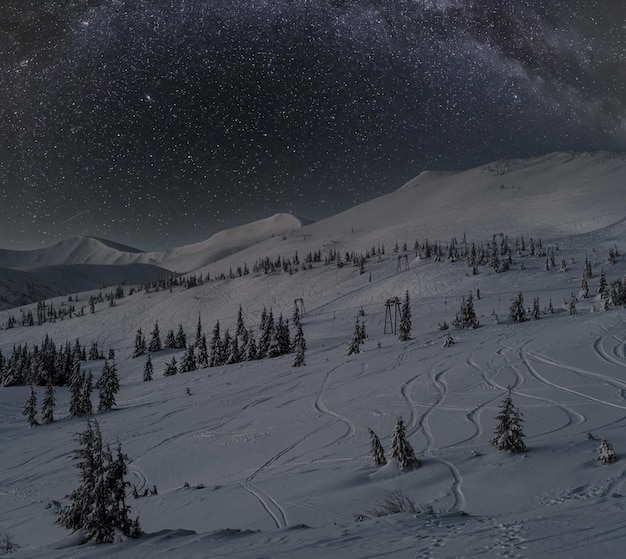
[(584, 288), (155, 339), (49, 401), (108, 386), (199, 331), (140, 344), (535, 313), (606, 453), (148, 370), (508, 434), (189, 362), (85, 395), (181, 338), (241, 328), (203, 353), (216, 354), (404, 330), (170, 340), (171, 368), (401, 450), (571, 305), (517, 312), (299, 347), (357, 340), (466, 316), (378, 452), (30, 408)]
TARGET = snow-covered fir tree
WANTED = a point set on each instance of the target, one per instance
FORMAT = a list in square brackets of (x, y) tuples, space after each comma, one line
[(571, 304), (357, 339), (508, 434), (97, 507), (251, 348), (181, 338), (296, 314), (466, 315), (587, 271), (234, 352), (85, 405), (267, 335), (30, 408), (170, 340), (299, 347), (171, 368), (140, 344), (215, 353), (199, 334), (49, 401), (240, 331), (108, 385), (148, 369), (202, 357), (535, 312), (606, 453), (401, 450), (378, 452), (584, 288), (517, 312), (189, 361), (155, 339), (76, 390), (404, 329)]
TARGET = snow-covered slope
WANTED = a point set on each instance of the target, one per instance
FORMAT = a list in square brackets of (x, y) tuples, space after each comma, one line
[(261, 459)]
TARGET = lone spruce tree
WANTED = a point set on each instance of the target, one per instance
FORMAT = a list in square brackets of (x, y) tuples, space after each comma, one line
[(401, 449), (357, 338), (49, 401), (148, 369), (517, 311), (299, 347), (378, 452), (97, 506), (508, 434), (404, 330), (30, 408), (108, 386)]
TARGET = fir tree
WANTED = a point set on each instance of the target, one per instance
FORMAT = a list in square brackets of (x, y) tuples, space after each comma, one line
[(170, 340), (267, 335), (49, 401), (181, 338), (587, 272), (140, 344), (85, 395), (378, 452), (234, 354), (405, 320), (189, 362), (584, 288), (97, 506), (466, 316), (108, 386), (357, 340), (606, 453), (299, 347), (76, 390), (241, 328), (148, 370), (401, 450), (155, 339), (296, 314), (203, 353), (199, 334), (517, 312), (171, 368), (571, 305), (251, 354), (215, 355), (508, 434), (30, 408), (535, 313)]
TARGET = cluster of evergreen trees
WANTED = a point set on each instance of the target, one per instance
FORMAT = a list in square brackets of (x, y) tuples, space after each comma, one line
[(225, 349), (46, 363), (399, 449), (81, 388)]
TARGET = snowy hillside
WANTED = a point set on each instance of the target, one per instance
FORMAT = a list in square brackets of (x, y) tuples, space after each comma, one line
[(263, 459)]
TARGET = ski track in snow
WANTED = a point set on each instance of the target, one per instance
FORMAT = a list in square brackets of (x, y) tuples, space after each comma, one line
[(322, 408)]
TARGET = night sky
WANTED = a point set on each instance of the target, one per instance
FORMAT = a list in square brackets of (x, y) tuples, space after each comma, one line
[(156, 123)]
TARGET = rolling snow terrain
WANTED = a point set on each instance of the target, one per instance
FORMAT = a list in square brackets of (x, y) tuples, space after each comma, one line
[(263, 459)]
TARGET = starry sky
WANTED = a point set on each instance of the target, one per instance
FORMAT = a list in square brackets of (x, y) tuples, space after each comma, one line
[(156, 123)]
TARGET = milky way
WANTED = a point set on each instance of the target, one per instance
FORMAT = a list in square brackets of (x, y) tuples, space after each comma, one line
[(156, 123)]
